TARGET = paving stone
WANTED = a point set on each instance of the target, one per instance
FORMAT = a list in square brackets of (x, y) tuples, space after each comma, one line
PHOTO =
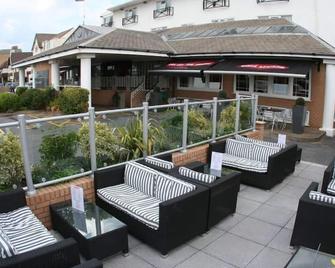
[(203, 260), (278, 187), (204, 240), (230, 221), (133, 242), (270, 258), (282, 241), (284, 201), (299, 182), (234, 250), (256, 230), (292, 191), (131, 261), (246, 206), (290, 224), (255, 194)]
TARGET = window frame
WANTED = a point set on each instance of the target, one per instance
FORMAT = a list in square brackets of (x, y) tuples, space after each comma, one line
[(206, 88), (209, 4)]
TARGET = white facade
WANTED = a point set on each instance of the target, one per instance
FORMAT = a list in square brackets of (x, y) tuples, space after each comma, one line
[(314, 15)]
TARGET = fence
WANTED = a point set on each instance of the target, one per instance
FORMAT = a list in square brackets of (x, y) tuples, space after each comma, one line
[(141, 131)]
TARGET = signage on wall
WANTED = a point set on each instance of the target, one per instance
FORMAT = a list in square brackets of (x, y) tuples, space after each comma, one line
[(264, 66), (190, 64)]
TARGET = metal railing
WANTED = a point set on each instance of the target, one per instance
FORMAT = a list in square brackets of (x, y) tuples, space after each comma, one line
[(213, 108)]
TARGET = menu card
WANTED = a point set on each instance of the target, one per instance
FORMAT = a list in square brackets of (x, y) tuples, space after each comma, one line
[(282, 139), (77, 198), (216, 161)]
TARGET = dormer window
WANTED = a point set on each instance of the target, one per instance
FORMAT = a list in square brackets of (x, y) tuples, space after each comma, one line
[(130, 17), (208, 4), (107, 21), (163, 9), (266, 1)]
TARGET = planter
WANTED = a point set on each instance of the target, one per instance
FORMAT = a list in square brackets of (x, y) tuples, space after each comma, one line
[(158, 98), (298, 119)]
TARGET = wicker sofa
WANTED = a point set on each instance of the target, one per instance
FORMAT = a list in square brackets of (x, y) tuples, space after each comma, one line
[(268, 167), (328, 185), (166, 217), (28, 242)]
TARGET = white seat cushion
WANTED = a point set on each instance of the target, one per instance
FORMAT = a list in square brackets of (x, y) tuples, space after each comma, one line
[(244, 163), (262, 153), (159, 162), (331, 187), (321, 197), (135, 203), (238, 148), (25, 231)]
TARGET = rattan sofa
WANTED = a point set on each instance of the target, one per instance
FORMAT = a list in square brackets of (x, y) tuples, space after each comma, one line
[(64, 253), (328, 176), (180, 218)]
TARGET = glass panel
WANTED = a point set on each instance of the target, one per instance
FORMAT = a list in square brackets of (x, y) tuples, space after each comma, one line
[(168, 125), (199, 123), (261, 84), (215, 81), (225, 118), (242, 83), (246, 114), (55, 149), (301, 87), (184, 81), (199, 83), (280, 86)]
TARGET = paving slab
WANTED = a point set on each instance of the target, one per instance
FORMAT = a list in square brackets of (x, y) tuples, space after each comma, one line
[(282, 241), (203, 260), (270, 258), (230, 221), (256, 194), (131, 261), (202, 241), (245, 206)]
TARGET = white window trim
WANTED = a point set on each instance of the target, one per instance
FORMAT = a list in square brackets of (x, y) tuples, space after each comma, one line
[(270, 93), (191, 88)]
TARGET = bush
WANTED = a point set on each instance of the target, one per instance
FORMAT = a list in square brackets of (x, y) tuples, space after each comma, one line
[(20, 90), (11, 165), (300, 102), (9, 102), (73, 100), (58, 147), (36, 99)]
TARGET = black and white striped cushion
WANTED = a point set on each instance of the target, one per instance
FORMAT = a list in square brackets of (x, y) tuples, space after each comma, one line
[(140, 177), (168, 187), (7, 250), (244, 139), (207, 178), (321, 197), (238, 148), (270, 144), (244, 163), (26, 232), (133, 202), (261, 153), (159, 162), (331, 187)]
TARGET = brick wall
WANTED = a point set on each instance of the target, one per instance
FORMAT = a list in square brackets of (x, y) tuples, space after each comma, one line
[(195, 94), (40, 202), (198, 153)]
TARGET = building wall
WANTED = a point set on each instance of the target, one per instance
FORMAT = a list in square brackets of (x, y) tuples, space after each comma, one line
[(44, 66), (315, 15)]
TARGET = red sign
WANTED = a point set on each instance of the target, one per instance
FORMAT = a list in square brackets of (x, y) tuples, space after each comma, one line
[(191, 64), (263, 67)]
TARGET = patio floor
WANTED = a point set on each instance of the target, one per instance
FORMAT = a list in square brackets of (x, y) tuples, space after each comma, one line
[(258, 235)]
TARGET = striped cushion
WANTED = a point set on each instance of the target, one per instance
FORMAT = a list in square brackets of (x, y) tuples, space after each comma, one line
[(6, 248), (244, 163), (159, 162), (238, 148), (266, 143), (133, 202), (26, 232), (168, 187), (140, 177), (261, 153), (334, 172), (207, 178), (244, 139), (321, 197), (331, 187)]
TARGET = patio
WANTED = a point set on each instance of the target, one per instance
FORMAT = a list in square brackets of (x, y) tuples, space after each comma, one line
[(269, 214)]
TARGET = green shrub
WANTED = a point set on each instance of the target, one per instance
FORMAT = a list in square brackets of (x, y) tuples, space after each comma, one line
[(36, 99), (9, 102), (300, 102), (73, 100), (11, 165), (20, 90)]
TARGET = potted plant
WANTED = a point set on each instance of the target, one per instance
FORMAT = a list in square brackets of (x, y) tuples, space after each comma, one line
[(116, 100), (156, 96), (299, 116)]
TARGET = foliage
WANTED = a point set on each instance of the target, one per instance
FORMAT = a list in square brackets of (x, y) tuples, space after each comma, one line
[(37, 99), (300, 102), (197, 119), (20, 90), (73, 100), (222, 95), (11, 165), (58, 147), (9, 102)]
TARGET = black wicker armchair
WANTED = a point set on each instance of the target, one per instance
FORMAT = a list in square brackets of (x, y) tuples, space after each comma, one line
[(327, 176), (61, 254)]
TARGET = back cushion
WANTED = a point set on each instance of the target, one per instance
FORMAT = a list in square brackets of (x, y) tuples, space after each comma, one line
[(168, 187), (159, 162), (238, 148), (321, 197), (7, 250), (262, 153), (196, 175), (140, 177), (270, 144), (244, 139)]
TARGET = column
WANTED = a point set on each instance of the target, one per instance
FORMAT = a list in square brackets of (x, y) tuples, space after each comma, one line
[(21, 77), (33, 75), (86, 74), (55, 74), (329, 103)]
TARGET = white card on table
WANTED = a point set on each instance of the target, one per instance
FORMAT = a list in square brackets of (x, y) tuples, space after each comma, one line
[(77, 198), (282, 139), (216, 161)]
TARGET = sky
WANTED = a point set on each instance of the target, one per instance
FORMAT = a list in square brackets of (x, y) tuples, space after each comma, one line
[(20, 20)]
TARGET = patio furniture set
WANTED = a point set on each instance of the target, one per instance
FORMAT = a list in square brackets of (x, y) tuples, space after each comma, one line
[(162, 204)]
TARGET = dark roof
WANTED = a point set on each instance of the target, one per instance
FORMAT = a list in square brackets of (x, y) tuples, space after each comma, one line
[(41, 37), (19, 56), (59, 35)]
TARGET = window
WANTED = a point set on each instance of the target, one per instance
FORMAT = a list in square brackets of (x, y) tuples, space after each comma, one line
[(280, 86), (242, 83), (261, 84), (209, 82), (163, 9), (130, 17), (184, 81), (215, 81), (265, 1), (301, 87), (208, 4), (107, 21)]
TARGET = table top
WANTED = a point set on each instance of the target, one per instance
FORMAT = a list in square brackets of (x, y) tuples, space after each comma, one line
[(309, 258), (224, 172), (93, 222)]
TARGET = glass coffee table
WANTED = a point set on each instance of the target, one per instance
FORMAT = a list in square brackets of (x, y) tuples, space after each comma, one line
[(310, 258), (98, 233), (225, 171)]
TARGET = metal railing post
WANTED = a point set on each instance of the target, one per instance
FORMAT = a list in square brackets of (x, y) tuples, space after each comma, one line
[(91, 126), (145, 128), (214, 118), (255, 111), (25, 154), (185, 125), (237, 116)]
